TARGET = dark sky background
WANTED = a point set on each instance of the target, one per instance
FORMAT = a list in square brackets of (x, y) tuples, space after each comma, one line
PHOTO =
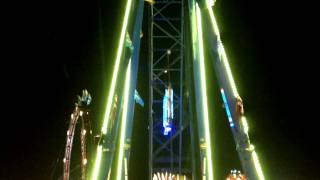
[(57, 48)]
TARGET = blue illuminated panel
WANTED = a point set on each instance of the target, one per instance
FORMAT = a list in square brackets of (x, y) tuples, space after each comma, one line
[(167, 111), (227, 107)]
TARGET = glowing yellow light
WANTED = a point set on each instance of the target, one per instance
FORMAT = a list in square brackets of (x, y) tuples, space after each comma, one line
[(84, 161), (84, 132), (251, 147), (257, 165), (244, 124), (97, 163), (116, 68), (204, 94), (210, 3), (151, 2), (222, 52), (123, 121)]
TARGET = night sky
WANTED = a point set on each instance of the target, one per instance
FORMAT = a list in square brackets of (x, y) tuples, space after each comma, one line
[(57, 48)]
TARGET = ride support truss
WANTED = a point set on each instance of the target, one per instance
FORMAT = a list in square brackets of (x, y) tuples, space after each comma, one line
[(180, 33)]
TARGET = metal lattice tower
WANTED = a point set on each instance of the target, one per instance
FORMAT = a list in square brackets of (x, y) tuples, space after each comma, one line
[(166, 56)]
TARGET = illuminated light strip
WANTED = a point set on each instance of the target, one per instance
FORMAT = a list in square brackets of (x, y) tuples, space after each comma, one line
[(125, 169), (123, 121), (204, 177), (112, 88), (222, 51), (97, 163), (257, 165), (194, 32), (227, 107), (245, 124), (204, 94), (116, 68), (213, 19)]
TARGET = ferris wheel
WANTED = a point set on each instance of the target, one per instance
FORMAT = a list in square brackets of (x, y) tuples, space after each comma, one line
[(80, 115)]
